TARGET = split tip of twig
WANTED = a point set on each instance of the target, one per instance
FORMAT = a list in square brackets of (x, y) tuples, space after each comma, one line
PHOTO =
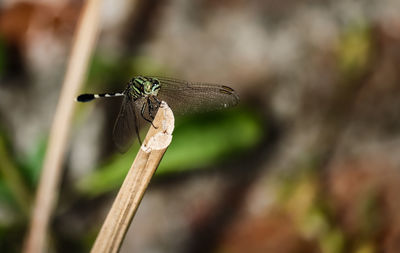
[(160, 137)]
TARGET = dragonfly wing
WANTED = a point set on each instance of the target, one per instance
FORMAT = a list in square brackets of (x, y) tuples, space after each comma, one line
[(183, 96), (126, 126)]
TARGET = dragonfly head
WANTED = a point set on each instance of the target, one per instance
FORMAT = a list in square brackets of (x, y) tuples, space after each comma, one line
[(147, 87), (151, 86)]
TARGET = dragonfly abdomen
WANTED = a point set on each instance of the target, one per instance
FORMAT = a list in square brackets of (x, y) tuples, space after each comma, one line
[(89, 97)]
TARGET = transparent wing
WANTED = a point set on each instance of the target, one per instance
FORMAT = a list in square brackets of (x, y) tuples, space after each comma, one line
[(183, 96), (126, 126)]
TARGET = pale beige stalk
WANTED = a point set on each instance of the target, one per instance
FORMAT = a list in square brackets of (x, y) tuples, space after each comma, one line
[(84, 42), (132, 190)]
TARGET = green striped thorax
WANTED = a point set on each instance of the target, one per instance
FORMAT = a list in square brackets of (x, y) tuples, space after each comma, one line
[(142, 87)]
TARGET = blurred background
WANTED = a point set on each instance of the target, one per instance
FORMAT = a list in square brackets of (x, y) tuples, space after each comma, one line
[(308, 162)]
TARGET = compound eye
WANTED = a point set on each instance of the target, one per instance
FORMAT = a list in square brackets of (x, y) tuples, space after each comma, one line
[(155, 81)]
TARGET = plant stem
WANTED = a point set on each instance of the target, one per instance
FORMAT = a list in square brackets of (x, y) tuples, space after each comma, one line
[(132, 190), (85, 38)]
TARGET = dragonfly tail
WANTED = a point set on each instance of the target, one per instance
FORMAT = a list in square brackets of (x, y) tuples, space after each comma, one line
[(90, 97)]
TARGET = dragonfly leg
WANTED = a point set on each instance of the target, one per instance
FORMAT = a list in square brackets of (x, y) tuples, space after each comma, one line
[(158, 101), (137, 134), (150, 107), (142, 113)]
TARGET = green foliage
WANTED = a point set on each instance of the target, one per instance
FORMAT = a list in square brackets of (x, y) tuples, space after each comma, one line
[(105, 72), (304, 197), (369, 214), (145, 66), (31, 164), (6, 196), (198, 141), (202, 140), (333, 241), (11, 237), (301, 196), (354, 49), (15, 193)]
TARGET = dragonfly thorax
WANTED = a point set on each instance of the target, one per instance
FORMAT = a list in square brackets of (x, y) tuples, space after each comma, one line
[(143, 87)]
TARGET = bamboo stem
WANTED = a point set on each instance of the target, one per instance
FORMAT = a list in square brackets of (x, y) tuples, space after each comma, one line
[(85, 38), (132, 190)]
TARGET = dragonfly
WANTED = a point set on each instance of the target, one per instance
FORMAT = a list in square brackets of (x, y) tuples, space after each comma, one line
[(143, 95)]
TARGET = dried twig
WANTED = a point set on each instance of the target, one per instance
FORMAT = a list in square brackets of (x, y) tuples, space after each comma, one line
[(132, 190), (85, 38)]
